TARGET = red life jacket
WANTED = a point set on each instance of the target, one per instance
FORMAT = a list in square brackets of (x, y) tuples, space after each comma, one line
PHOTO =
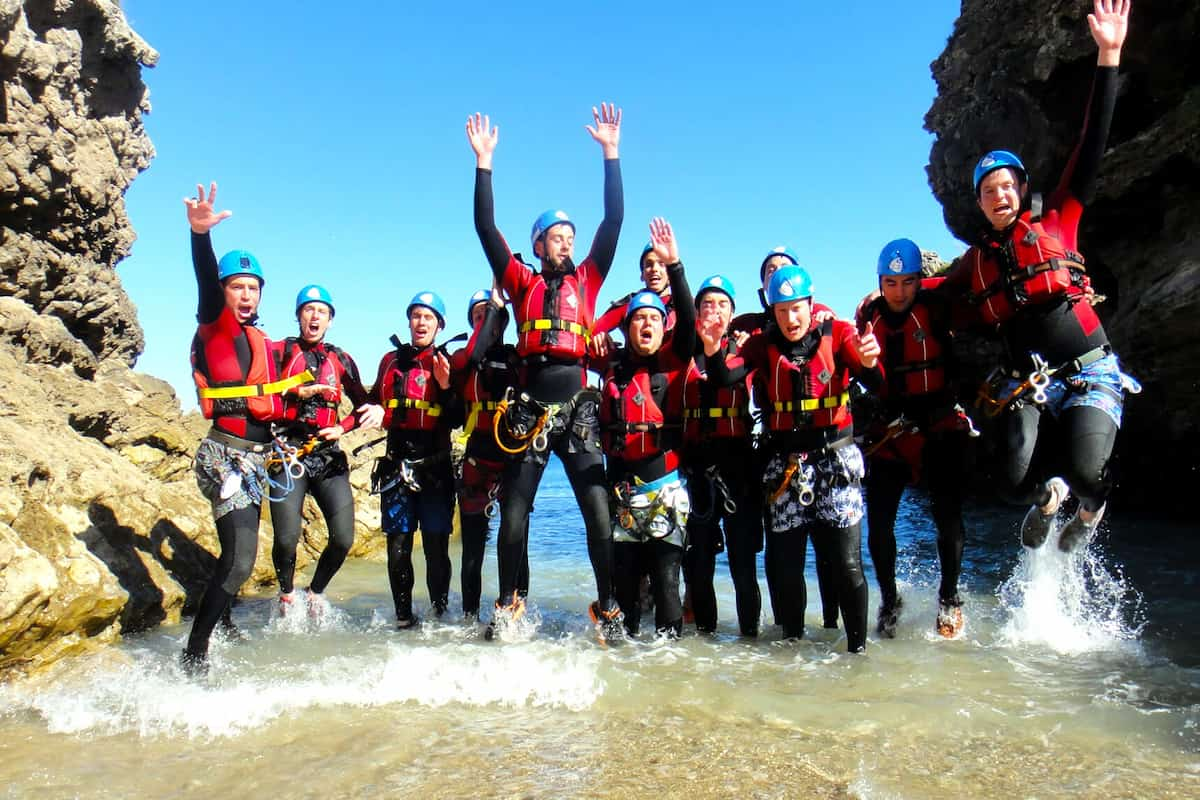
[(553, 323), (727, 415), (636, 422), (224, 389), (408, 391), (1030, 268), (917, 366), (811, 395), (319, 411)]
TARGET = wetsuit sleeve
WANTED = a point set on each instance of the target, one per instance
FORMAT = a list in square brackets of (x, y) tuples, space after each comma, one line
[(1079, 178), (683, 340), (204, 262), (494, 247), (604, 246), (610, 320), (726, 370), (488, 334), (352, 386)]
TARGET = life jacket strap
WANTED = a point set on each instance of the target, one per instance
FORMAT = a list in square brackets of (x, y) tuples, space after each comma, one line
[(813, 403), (254, 389), (711, 413), (432, 409), (556, 325)]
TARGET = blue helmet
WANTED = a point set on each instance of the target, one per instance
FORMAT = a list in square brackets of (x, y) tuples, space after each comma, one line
[(782, 250), (899, 257), (644, 299), (239, 262), (717, 283), (648, 248), (789, 284), (431, 301), (547, 220), (314, 294), (481, 296), (999, 159)]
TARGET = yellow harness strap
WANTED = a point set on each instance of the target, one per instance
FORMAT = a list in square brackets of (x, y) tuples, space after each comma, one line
[(473, 414), (432, 409), (814, 403), (254, 389), (556, 325), (711, 413)]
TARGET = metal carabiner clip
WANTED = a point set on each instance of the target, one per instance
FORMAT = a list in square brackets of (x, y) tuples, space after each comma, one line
[(409, 476), (807, 495), (295, 468), (540, 441)]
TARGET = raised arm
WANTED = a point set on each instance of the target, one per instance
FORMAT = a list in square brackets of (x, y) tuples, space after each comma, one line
[(483, 138), (202, 218), (683, 340), (1109, 24), (607, 132)]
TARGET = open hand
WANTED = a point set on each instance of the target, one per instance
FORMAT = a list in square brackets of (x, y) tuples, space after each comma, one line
[(200, 209), (370, 415), (663, 239), (607, 130), (441, 370), (1109, 23), (483, 138)]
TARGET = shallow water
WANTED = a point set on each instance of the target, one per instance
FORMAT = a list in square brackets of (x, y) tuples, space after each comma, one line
[(1074, 677)]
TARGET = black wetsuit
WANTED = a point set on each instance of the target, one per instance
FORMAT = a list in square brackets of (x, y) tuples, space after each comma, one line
[(711, 461), (1053, 329), (553, 381), (237, 530), (326, 476)]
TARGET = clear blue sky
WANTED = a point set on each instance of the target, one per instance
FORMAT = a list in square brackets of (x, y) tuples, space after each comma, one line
[(335, 132)]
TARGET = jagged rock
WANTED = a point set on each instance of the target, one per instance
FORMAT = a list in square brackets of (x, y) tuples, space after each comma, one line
[(1016, 76), (72, 142)]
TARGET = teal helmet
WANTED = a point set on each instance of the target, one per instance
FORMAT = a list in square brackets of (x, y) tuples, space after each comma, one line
[(999, 159), (899, 257), (314, 293), (481, 296), (782, 250), (648, 248), (644, 299), (717, 283), (431, 301), (545, 221), (789, 284), (239, 262)]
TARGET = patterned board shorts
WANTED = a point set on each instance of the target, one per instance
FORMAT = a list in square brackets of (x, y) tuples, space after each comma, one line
[(656, 510), (836, 486), (1106, 387), (230, 478)]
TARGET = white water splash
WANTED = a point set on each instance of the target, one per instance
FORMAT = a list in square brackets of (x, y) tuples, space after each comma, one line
[(1071, 602), (149, 696)]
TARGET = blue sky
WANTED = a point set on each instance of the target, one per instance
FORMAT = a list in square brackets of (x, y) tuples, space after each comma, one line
[(336, 135)]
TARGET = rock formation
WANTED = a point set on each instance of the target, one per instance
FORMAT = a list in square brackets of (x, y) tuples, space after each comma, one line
[(1017, 76), (102, 529)]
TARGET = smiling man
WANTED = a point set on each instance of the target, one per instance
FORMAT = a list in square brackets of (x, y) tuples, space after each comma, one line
[(1026, 279)]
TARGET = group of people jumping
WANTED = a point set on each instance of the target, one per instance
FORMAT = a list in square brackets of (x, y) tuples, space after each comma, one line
[(708, 432)]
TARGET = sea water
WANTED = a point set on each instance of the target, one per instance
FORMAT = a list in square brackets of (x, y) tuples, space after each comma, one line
[(1075, 676)]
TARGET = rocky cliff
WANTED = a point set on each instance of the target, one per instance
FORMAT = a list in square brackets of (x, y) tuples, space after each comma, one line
[(102, 529), (1016, 76)]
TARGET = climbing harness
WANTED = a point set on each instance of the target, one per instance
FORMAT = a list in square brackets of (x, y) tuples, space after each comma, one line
[(522, 421)]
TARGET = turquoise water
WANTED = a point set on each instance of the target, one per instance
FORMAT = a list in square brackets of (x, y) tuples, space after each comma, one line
[(1074, 677)]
